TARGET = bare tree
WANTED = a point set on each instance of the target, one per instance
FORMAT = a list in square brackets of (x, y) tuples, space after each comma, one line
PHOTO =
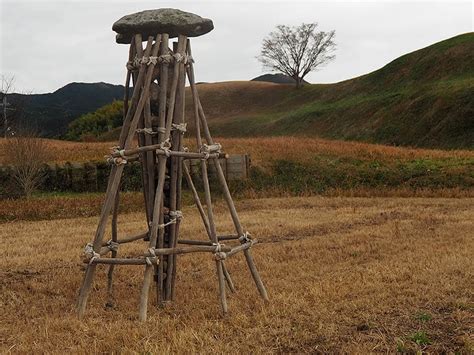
[(26, 154), (5, 89), (296, 51)]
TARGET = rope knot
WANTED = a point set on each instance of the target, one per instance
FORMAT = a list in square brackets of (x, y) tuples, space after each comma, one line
[(207, 150), (179, 127), (245, 238), (112, 245), (90, 253), (115, 161), (218, 253), (152, 60), (165, 58), (149, 131), (178, 58), (133, 64), (165, 147), (151, 259), (176, 214)]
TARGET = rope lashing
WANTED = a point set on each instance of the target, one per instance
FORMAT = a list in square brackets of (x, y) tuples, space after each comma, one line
[(178, 58), (209, 149), (172, 221), (152, 60), (176, 214), (150, 259), (90, 253), (165, 58), (245, 238), (122, 160), (218, 253), (113, 246), (179, 127), (150, 131), (165, 147), (115, 161), (134, 64)]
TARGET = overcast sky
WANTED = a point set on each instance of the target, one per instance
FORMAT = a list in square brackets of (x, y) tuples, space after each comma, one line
[(48, 44)]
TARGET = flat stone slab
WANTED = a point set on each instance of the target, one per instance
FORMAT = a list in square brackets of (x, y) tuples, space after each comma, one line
[(151, 22)]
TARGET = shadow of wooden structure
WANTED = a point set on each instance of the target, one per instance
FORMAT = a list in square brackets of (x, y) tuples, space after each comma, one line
[(155, 113)]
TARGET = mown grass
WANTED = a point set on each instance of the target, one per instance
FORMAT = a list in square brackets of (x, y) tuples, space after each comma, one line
[(344, 275)]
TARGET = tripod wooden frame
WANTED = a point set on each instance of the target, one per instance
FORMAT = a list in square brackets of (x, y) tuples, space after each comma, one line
[(155, 112)]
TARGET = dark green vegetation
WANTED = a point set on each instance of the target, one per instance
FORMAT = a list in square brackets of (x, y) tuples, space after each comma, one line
[(422, 99), (92, 125), (326, 173), (50, 114)]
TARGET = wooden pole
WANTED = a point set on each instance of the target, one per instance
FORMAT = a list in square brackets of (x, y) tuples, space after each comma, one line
[(207, 192), (129, 127), (205, 221), (225, 188), (174, 167), (110, 274), (161, 170)]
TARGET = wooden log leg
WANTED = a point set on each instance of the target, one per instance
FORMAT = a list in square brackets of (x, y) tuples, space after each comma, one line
[(175, 175), (223, 183), (84, 291), (160, 268), (230, 284), (126, 136), (207, 192), (198, 203), (162, 160), (248, 256), (110, 274)]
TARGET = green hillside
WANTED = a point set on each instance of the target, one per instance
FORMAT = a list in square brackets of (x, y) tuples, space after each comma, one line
[(422, 99)]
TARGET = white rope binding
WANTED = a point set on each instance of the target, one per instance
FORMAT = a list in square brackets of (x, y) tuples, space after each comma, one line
[(245, 238), (165, 58), (90, 253), (149, 131), (179, 127), (122, 160), (165, 147), (207, 150), (150, 259), (218, 253), (113, 246)]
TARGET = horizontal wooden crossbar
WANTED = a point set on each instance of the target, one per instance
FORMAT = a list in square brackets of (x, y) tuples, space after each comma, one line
[(157, 148)]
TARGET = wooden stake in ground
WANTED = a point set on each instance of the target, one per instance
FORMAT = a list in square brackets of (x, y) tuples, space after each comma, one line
[(157, 110)]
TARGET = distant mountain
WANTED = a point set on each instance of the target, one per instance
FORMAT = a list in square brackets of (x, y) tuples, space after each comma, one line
[(51, 113), (276, 78)]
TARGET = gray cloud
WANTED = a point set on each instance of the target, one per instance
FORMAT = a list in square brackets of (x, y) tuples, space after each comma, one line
[(49, 44)]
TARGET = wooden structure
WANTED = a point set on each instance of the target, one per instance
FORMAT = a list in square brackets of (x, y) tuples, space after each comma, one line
[(155, 113)]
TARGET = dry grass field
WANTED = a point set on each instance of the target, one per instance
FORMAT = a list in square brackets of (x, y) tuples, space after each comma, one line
[(347, 275), (263, 149)]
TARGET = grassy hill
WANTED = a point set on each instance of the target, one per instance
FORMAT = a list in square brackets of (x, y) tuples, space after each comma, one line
[(424, 98)]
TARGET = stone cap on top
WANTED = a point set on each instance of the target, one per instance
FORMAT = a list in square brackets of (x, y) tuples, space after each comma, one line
[(151, 22)]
